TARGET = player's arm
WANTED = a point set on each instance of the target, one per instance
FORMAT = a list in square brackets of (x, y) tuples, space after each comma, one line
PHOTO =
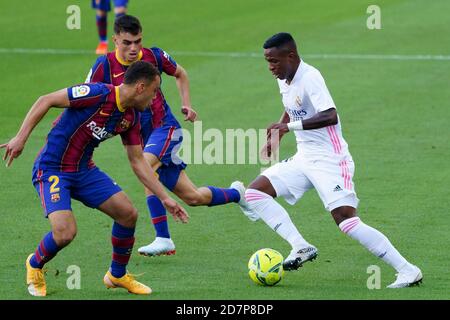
[(320, 120), (273, 141), (182, 81), (146, 175), (39, 109), (326, 115)]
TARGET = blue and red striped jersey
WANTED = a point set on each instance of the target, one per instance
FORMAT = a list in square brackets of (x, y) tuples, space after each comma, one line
[(94, 115), (110, 68)]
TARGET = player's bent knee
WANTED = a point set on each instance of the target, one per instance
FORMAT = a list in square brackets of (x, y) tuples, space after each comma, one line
[(129, 217), (343, 213), (262, 184), (64, 235)]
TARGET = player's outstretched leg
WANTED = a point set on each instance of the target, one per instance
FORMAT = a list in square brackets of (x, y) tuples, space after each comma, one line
[(260, 199), (189, 194), (379, 245)]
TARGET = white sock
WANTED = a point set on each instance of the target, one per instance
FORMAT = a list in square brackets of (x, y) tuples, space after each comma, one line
[(375, 242), (276, 217)]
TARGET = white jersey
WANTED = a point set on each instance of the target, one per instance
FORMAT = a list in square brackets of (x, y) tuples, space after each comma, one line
[(305, 96)]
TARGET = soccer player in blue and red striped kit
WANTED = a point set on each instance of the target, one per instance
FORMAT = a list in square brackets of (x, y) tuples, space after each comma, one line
[(64, 170), (102, 7), (161, 132)]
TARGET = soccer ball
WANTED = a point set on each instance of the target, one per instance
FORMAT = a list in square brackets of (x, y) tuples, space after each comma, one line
[(265, 267)]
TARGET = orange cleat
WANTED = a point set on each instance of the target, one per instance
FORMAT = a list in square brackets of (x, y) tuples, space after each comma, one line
[(102, 48), (127, 282)]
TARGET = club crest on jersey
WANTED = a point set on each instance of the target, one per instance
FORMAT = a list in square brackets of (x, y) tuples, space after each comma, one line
[(55, 197), (98, 133), (80, 91), (124, 124)]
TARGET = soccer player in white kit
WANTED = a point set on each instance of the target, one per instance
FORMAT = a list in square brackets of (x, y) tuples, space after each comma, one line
[(322, 162)]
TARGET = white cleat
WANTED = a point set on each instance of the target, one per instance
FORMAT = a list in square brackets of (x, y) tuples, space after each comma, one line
[(243, 204), (297, 258), (407, 279), (159, 246)]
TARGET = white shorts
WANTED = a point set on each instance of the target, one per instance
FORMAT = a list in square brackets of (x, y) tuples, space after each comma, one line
[(330, 175)]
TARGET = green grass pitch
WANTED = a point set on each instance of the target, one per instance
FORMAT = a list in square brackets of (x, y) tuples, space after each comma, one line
[(394, 115)]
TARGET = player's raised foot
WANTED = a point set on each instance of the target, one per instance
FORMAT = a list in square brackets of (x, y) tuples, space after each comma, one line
[(239, 186), (412, 276), (35, 280), (102, 48), (298, 257), (127, 282), (159, 246)]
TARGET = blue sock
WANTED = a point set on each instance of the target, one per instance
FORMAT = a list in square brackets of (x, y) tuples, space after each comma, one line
[(222, 196), (46, 250), (159, 216), (102, 27), (122, 240)]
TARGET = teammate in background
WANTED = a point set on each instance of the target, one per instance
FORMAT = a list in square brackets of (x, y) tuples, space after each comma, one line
[(64, 168), (102, 8), (322, 162), (161, 132)]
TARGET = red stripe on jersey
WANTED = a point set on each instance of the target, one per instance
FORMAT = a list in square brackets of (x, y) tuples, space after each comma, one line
[(82, 102), (79, 140), (98, 74), (158, 103)]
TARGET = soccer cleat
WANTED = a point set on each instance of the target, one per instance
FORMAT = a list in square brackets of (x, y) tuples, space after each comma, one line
[(297, 258), (243, 204), (127, 282), (102, 48), (407, 279), (159, 246), (35, 280)]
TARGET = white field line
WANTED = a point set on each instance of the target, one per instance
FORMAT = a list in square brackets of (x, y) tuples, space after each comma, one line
[(326, 56)]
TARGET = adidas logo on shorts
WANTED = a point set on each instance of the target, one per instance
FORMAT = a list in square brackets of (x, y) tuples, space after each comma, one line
[(337, 188)]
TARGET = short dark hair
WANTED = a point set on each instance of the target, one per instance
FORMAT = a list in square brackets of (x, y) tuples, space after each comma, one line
[(279, 40), (140, 70), (127, 23)]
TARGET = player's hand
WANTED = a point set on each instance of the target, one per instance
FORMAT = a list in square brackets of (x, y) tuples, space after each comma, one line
[(176, 210), (189, 113), (13, 149), (279, 128), (270, 148)]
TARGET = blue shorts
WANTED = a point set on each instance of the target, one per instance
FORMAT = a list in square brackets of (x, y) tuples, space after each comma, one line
[(164, 143), (91, 187), (105, 5)]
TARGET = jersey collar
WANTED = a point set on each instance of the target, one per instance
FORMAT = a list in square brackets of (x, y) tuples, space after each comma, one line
[(119, 105), (297, 73), (124, 63)]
